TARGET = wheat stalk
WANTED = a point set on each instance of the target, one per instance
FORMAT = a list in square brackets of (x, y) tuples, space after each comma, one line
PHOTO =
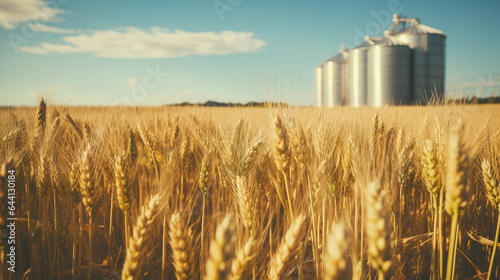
[(456, 183), (456, 175), (124, 190), (493, 193), (432, 179), (87, 184), (76, 199), (89, 195), (282, 159)]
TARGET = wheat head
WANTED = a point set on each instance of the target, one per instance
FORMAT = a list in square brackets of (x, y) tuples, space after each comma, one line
[(87, 184), (183, 253), (140, 240), (124, 190), (335, 263), (242, 263), (456, 174), (377, 228), (286, 256), (280, 145), (221, 251), (431, 174), (491, 184)]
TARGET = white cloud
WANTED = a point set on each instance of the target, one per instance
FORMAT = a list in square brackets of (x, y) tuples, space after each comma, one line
[(51, 29), (33, 50), (14, 12), (156, 43), (132, 82)]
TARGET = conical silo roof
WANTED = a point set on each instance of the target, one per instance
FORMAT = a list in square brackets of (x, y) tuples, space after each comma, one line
[(339, 57), (419, 29), (368, 42), (389, 41)]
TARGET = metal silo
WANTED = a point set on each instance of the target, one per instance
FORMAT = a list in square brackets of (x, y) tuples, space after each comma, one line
[(357, 73), (332, 79), (428, 57), (318, 86), (437, 60), (388, 73)]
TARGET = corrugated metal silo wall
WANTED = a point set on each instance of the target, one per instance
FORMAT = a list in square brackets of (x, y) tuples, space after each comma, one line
[(332, 83), (388, 75), (427, 65), (318, 86), (358, 68), (419, 65), (437, 62), (327, 82), (345, 84)]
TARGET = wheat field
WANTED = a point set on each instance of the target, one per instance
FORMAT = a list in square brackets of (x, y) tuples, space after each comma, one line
[(251, 193)]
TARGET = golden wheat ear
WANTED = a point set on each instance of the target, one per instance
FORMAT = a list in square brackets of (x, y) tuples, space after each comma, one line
[(41, 122), (245, 201), (183, 253), (378, 229), (243, 262), (335, 264), (456, 193), (432, 176), (456, 174), (87, 184), (491, 185), (140, 240), (221, 251), (280, 145), (124, 190), (286, 257)]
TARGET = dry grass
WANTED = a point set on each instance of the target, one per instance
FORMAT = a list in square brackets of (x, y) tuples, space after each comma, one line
[(238, 193)]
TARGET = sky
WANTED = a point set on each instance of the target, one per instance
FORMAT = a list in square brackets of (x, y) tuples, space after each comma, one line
[(150, 53)]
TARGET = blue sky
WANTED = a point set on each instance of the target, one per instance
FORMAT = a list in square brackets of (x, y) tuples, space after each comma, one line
[(161, 52)]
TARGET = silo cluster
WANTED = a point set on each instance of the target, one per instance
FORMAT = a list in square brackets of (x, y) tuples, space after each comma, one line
[(405, 66)]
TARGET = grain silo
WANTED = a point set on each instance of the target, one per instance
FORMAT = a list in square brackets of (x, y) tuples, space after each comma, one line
[(428, 56), (318, 86), (334, 70), (406, 66), (357, 72), (388, 78)]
